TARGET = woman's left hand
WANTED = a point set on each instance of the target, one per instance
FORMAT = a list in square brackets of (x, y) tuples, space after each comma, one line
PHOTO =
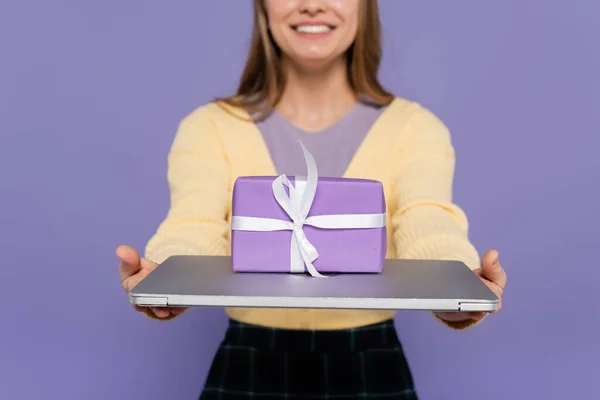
[(492, 274)]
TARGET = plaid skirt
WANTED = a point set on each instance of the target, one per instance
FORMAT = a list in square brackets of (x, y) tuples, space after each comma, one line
[(255, 362)]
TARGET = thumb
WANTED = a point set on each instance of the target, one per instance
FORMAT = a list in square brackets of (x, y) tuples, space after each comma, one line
[(130, 261), (491, 269)]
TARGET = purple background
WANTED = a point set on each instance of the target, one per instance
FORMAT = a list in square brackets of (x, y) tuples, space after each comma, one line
[(90, 96)]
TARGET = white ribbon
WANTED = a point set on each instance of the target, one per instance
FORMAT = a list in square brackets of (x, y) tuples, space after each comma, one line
[(297, 206)]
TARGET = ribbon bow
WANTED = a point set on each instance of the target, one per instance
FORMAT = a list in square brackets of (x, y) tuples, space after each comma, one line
[(297, 206)]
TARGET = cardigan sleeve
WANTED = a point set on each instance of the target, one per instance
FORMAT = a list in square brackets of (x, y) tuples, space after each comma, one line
[(426, 223), (199, 178)]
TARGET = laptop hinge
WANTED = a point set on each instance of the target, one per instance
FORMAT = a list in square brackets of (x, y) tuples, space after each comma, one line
[(157, 301), (466, 306)]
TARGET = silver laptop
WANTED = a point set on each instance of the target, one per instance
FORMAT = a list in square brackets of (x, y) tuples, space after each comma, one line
[(207, 281)]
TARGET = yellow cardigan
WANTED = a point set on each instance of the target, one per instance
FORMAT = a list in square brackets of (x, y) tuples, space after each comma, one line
[(408, 149)]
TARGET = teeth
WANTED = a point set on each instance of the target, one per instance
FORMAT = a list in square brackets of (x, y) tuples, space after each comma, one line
[(313, 28)]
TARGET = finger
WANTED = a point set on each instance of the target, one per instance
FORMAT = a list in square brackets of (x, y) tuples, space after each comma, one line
[(161, 312), (140, 308), (147, 264), (132, 281), (141, 274), (498, 291), (453, 316), (130, 261), (477, 315), (178, 310), (492, 270), (462, 316)]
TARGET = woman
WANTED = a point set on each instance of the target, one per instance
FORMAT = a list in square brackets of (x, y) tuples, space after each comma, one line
[(312, 74)]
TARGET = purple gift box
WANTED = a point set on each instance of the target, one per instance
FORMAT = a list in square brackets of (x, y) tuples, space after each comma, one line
[(350, 236)]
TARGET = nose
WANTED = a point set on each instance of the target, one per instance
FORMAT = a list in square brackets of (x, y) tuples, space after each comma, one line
[(312, 7)]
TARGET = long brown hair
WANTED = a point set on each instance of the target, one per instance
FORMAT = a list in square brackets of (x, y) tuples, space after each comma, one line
[(263, 81)]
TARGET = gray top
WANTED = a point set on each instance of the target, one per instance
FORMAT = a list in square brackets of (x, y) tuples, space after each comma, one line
[(333, 148)]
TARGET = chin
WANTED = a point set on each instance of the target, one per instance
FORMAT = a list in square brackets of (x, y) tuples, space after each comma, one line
[(315, 61)]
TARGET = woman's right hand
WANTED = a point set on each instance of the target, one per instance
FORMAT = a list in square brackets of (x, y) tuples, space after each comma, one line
[(132, 270)]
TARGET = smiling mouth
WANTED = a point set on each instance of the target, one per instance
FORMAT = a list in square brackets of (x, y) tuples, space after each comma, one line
[(313, 29)]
